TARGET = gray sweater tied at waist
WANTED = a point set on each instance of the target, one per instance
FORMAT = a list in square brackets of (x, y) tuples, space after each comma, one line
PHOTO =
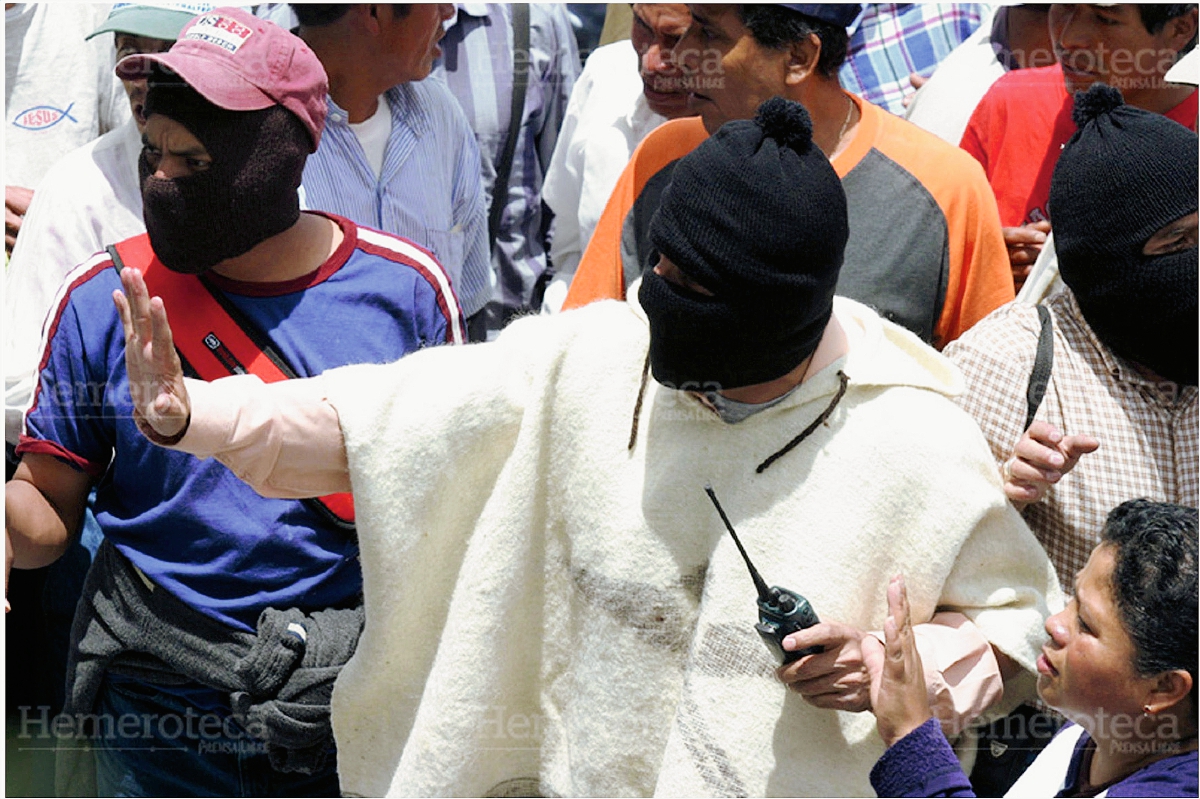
[(279, 679)]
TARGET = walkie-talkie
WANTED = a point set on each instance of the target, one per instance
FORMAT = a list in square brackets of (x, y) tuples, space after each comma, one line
[(780, 612)]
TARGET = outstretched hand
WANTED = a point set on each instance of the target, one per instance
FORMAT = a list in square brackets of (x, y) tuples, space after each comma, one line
[(898, 693), (1040, 459), (160, 400)]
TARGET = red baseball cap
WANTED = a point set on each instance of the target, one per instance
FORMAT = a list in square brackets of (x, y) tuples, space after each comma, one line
[(240, 62)]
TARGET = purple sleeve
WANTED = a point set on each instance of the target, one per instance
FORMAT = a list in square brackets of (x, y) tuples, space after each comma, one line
[(1172, 776), (920, 764)]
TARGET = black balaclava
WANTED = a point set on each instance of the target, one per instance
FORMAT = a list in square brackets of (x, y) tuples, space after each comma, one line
[(757, 216), (1124, 175), (246, 196)]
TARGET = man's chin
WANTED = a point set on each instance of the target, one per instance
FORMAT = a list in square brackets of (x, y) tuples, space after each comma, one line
[(670, 106), (698, 104), (711, 119), (1078, 81)]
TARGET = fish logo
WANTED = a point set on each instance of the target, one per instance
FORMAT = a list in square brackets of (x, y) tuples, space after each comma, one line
[(41, 117)]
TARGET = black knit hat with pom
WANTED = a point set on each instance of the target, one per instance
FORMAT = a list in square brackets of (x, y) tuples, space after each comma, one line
[(1123, 175), (757, 216), (756, 208)]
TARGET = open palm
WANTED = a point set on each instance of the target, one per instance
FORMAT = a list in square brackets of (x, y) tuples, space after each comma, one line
[(160, 400), (898, 693)]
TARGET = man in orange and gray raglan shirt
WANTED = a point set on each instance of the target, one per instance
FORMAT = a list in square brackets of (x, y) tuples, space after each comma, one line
[(925, 246)]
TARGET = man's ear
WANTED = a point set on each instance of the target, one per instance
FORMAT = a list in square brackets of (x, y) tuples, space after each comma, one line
[(365, 17), (802, 61), (1179, 31), (1168, 690)]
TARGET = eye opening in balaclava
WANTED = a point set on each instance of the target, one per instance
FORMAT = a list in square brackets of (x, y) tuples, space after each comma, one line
[(247, 195)]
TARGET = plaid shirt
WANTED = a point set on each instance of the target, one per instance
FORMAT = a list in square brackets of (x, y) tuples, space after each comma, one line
[(1147, 430), (893, 40)]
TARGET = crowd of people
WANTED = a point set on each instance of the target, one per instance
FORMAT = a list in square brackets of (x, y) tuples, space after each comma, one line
[(366, 369)]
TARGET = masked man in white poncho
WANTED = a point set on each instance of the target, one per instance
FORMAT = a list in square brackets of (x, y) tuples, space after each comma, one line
[(553, 604)]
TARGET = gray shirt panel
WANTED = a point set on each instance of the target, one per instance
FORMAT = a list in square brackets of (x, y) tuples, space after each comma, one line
[(898, 256)]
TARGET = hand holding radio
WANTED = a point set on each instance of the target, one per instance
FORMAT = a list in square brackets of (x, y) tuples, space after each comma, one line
[(780, 611), (836, 678)]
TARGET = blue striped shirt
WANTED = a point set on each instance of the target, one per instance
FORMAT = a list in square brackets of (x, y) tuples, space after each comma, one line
[(430, 189), (477, 64)]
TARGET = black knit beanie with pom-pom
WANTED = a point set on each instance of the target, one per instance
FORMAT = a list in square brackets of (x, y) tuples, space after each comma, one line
[(1125, 174), (757, 216)]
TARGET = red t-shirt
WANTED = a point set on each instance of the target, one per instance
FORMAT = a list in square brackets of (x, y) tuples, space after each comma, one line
[(1017, 132)]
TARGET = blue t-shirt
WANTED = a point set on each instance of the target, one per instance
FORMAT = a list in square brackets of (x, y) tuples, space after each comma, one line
[(190, 525)]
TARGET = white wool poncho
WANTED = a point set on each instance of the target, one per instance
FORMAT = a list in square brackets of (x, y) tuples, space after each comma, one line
[(551, 611)]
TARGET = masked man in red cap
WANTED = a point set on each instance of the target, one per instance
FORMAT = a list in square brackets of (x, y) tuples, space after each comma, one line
[(216, 617)]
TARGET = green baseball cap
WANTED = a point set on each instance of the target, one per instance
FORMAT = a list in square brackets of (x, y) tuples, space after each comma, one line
[(155, 21)]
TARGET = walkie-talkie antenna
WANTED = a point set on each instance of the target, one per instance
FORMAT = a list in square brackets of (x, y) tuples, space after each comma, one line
[(764, 593)]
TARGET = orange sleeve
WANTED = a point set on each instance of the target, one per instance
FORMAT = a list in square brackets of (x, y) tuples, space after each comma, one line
[(600, 274), (980, 278)]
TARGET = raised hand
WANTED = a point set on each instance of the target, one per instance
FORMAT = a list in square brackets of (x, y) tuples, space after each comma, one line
[(898, 693), (1040, 459), (160, 400)]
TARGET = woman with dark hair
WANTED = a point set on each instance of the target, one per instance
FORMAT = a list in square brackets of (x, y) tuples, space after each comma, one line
[(1120, 664)]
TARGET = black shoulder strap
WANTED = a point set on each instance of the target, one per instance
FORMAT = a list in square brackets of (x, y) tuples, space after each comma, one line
[(1043, 363), (520, 73)]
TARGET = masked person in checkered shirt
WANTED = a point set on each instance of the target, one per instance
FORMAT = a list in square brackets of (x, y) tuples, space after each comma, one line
[(1119, 416)]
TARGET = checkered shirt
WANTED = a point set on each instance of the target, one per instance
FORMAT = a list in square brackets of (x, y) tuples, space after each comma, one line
[(1147, 430), (893, 40)]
